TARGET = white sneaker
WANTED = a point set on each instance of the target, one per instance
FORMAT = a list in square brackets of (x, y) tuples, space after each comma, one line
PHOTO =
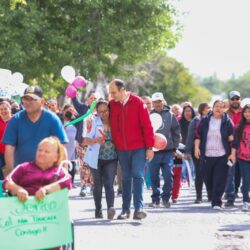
[(217, 208), (245, 206)]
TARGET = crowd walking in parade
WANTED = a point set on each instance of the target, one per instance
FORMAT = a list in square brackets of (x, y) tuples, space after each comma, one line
[(208, 147)]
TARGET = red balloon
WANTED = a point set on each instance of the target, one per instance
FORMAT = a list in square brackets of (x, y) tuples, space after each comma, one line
[(71, 91), (79, 82), (160, 141)]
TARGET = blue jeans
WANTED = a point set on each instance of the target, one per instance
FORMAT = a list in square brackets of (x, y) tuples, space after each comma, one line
[(163, 161), (230, 186), (132, 165), (104, 175), (2, 164), (147, 176), (245, 173)]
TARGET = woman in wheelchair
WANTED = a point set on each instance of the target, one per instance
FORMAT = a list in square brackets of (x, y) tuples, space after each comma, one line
[(41, 177)]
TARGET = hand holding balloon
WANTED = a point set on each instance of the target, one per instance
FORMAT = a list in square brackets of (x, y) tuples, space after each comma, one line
[(160, 141)]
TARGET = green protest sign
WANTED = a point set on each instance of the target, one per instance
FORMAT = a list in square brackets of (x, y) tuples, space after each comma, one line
[(34, 224)]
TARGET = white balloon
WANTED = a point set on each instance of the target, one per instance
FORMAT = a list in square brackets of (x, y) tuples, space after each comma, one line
[(245, 101), (19, 88), (68, 73), (5, 75), (156, 121), (16, 78)]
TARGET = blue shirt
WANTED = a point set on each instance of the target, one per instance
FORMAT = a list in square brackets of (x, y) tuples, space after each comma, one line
[(25, 135)]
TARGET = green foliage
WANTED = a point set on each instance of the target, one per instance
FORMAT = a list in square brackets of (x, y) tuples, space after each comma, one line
[(170, 77), (212, 83), (242, 84), (40, 37)]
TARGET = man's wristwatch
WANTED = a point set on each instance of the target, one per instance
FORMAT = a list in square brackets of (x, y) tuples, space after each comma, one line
[(150, 148)]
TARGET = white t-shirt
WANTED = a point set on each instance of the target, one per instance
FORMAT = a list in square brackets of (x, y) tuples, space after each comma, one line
[(214, 145)]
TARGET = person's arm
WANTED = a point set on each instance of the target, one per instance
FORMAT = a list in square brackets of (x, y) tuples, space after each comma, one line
[(17, 190), (92, 141), (80, 107), (10, 183), (190, 137), (175, 131), (232, 156), (41, 192), (197, 148), (63, 182), (9, 158), (147, 131)]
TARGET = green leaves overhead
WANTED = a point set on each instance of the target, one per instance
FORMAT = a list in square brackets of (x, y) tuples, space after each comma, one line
[(40, 37)]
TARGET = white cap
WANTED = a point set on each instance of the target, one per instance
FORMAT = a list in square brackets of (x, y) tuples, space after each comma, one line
[(234, 93), (158, 96)]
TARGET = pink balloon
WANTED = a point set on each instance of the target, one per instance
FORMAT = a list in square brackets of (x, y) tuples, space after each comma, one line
[(71, 91), (160, 141), (79, 82)]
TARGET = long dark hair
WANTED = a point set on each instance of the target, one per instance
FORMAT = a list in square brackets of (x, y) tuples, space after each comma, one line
[(183, 119), (243, 122)]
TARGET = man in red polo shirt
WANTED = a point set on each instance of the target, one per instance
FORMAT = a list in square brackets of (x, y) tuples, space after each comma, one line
[(234, 177)]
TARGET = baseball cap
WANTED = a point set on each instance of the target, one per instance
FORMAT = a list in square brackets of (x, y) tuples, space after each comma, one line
[(158, 96), (34, 92), (234, 93)]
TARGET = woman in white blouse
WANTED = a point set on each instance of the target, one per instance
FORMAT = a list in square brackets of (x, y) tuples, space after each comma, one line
[(212, 147)]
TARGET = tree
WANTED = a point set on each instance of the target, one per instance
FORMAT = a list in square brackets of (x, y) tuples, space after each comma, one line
[(40, 37), (166, 75), (242, 84), (212, 83)]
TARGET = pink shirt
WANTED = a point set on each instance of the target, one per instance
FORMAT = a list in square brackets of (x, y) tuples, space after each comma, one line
[(244, 145), (29, 176)]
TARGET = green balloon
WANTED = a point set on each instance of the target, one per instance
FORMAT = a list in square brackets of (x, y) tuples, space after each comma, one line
[(90, 111)]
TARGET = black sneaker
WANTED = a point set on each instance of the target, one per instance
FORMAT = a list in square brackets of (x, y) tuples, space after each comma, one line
[(166, 204), (198, 201), (154, 204), (123, 216), (83, 192), (119, 192), (139, 215), (229, 204), (98, 214), (111, 213)]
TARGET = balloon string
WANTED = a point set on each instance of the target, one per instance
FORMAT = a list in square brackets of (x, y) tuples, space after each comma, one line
[(90, 111)]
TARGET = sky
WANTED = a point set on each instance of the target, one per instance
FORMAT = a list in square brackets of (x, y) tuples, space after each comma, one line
[(216, 37)]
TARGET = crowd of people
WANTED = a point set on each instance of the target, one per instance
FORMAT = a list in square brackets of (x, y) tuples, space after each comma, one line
[(116, 144)]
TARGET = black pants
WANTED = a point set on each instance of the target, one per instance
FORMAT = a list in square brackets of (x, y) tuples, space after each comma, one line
[(198, 177), (104, 175), (237, 178), (72, 172), (215, 175), (2, 163)]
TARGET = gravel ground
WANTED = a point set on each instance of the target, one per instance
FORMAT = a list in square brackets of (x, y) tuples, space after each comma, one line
[(183, 226)]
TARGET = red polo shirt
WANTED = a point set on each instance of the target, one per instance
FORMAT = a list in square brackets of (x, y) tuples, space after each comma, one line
[(235, 116), (3, 125)]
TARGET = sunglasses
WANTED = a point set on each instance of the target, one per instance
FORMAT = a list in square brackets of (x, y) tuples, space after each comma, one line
[(235, 99)]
